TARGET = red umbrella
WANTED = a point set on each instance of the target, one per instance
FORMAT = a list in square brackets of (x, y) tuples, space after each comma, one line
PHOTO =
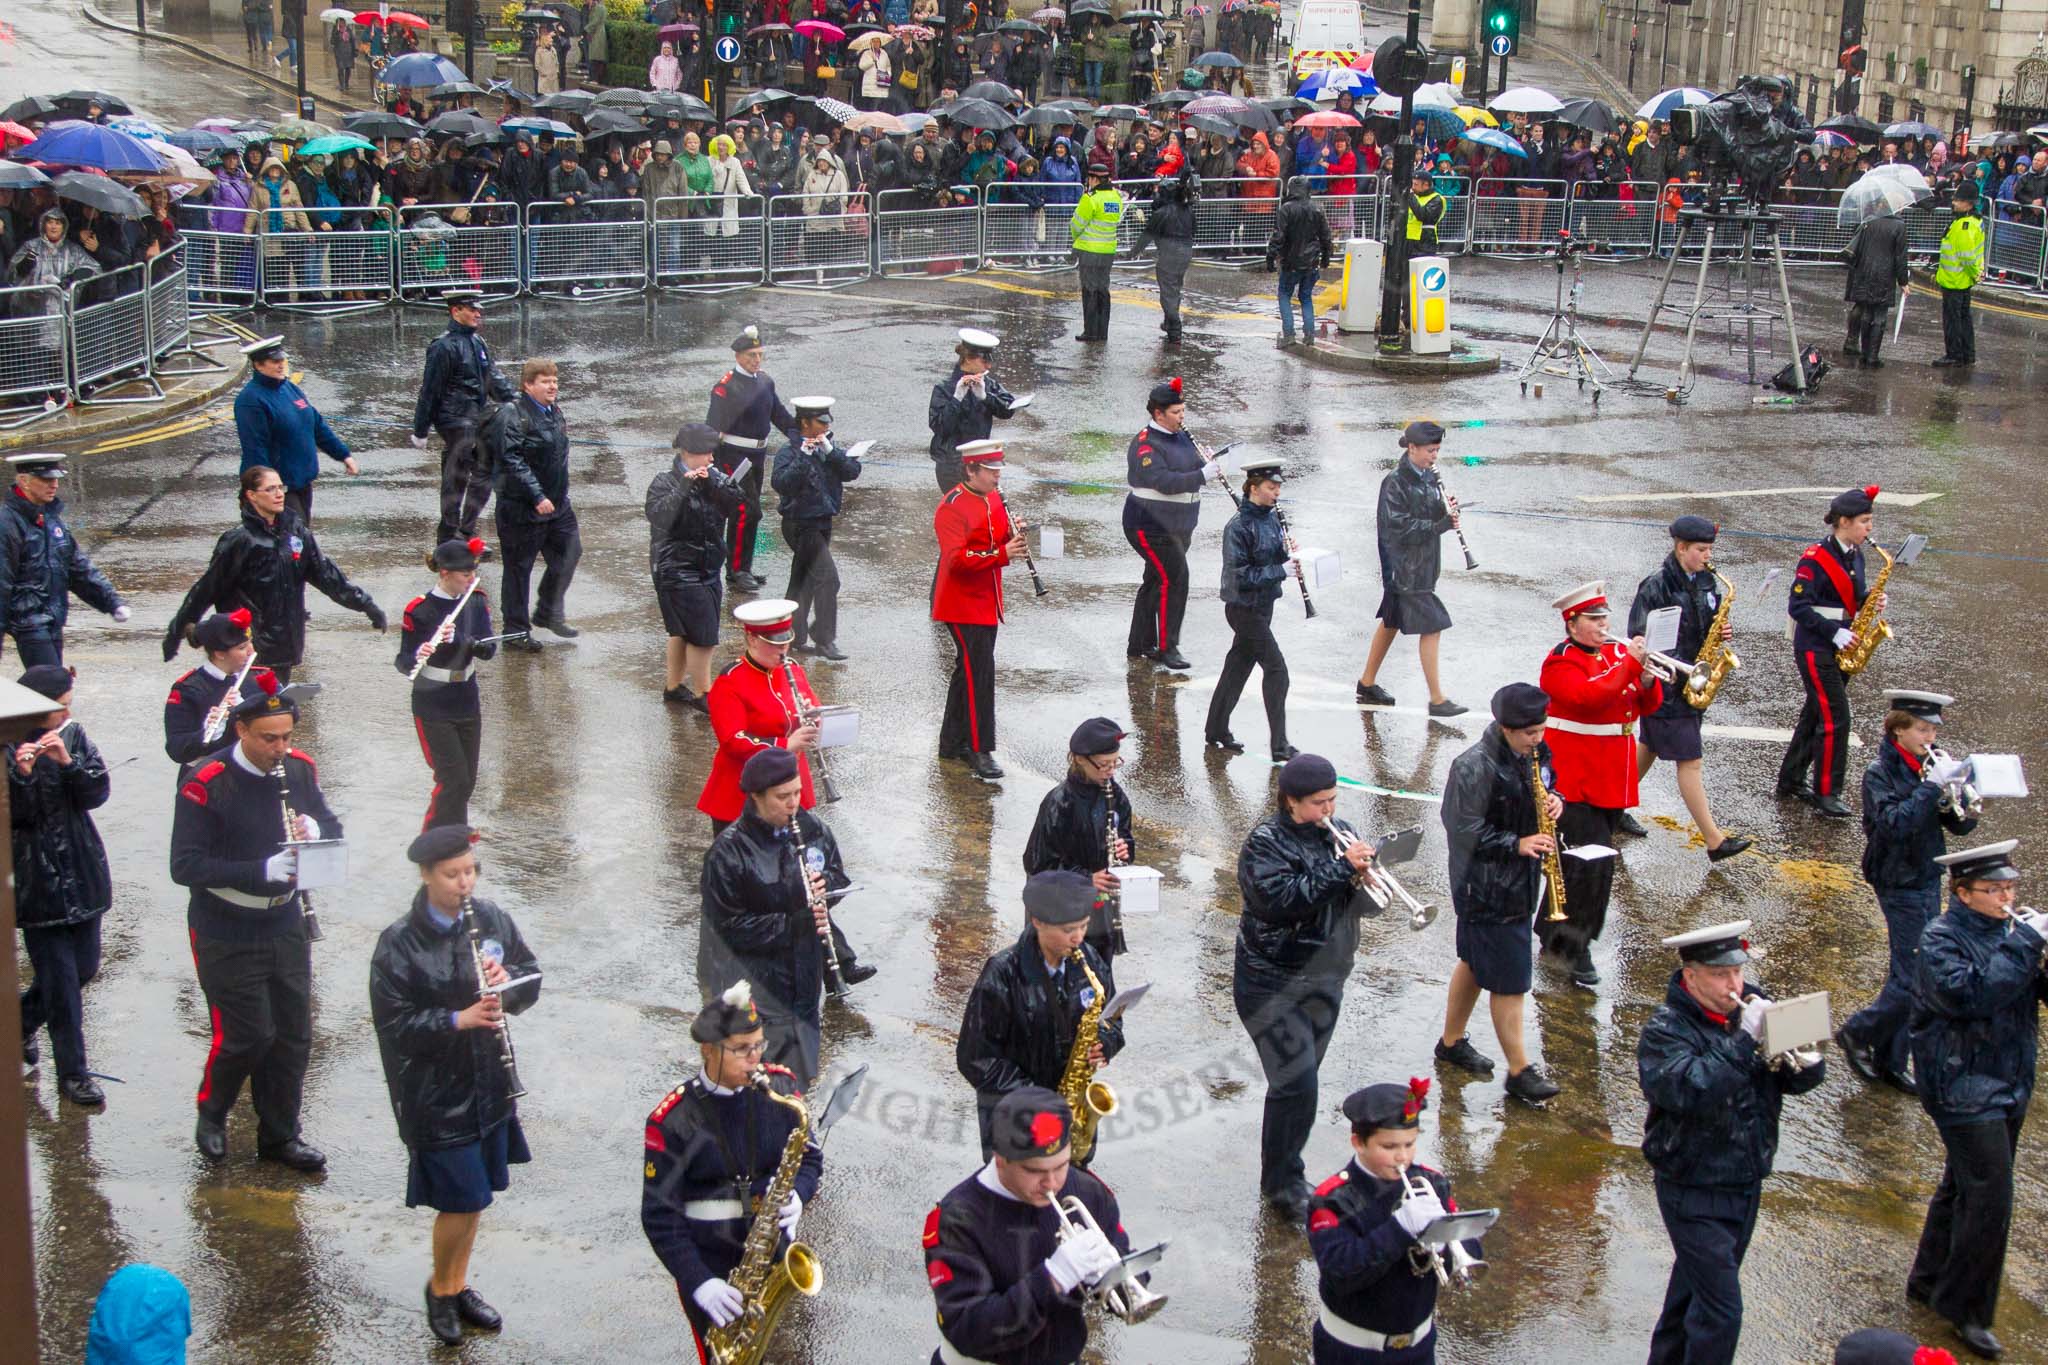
[(369, 16), (404, 20), (1362, 62), (15, 133), (822, 31), (1326, 118)]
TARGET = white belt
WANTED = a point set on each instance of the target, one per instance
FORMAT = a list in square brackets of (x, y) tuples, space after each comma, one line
[(1831, 613), (1154, 495), (714, 1210), (1353, 1335), (1579, 727), (448, 675), (744, 442), (952, 1356), (245, 900)]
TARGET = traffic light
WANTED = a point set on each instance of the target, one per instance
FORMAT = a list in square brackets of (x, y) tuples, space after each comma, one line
[(730, 16), (1502, 20)]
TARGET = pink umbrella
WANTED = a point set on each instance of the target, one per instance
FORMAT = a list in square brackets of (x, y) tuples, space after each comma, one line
[(216, 125), (1326, 118), (822, 31)]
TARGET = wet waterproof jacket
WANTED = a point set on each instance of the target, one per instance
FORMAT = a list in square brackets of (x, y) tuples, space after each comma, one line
[(266, 568), (1301, 231), (532, 455), (811, 484), (757, 923), (1902, 823), (686, 525), (1412, 520), (60, 865), (447, 1085), (968, 417), (1877, 263), (279, 426), (41, 565), (1697, 597), (1254, 557), (1489, 807), (1714, 1098), (1297, 906), (459, 379), (1015, 1032), (1069, 835), (1976, 1010), (143, 1316)]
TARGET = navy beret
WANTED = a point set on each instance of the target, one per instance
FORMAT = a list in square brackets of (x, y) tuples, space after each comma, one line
[(264, 700), (51, 680), (439, 844), (1388, 1105), (1520, 705), (461, 554), (769, 768), (1422, 434), (1852, 503), (1098, 735), (1695, 528), (223, 630), (1164, 395), (1059, 897), (1878, 1346), (1306, 774), (697, 439), (726, 1016), (1030, 1122)]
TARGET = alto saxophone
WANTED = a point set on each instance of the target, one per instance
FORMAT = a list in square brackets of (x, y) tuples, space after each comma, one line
[(1717, 658), (1090, 1099), (765, 1281), (1868, 626), (1553, 865)]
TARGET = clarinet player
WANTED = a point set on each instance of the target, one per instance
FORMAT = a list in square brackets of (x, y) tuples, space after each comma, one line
[(1257, 562), (1080, 819)]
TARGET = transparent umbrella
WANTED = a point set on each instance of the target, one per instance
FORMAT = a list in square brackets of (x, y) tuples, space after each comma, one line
[(1879, 196)]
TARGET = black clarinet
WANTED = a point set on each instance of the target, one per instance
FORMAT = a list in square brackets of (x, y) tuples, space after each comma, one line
[(835, 980), (513, 1087), (1038, 588), (1308, 606), (1111, 839), (1471, 562), (291, 836)]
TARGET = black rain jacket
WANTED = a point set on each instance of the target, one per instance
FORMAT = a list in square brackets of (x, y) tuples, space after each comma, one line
[(41, 565), (1698, 597), (757, 915), (1976, 1016), (1877, 263), (1297, 905), (1489, 807), (955, 421), (266, 568), (686, 525), (60, 866), (1301, 231), (1902, 824), (530, 448), (1254, 557), (1412, 519), (1014, 1034)]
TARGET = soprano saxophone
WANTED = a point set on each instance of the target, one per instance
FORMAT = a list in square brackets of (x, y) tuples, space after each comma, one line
[(1090, 1099), (1553, 864), (765, 1280)]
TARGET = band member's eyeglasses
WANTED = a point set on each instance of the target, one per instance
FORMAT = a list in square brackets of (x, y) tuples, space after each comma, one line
[(751, 1050)]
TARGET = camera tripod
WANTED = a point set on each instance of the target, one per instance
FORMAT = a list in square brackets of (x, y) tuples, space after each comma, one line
[(1561, 351), (1748, 237)]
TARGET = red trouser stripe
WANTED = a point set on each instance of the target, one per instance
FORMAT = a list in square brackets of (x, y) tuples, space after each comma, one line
[(1826, 781), (967, 670), (1165, 582), (433, 799), (213, 1018), (696, 1337), (739, 538)]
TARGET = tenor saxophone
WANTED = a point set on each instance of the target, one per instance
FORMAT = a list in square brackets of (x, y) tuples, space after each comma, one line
[(1090, 1099), (1717, 657), (1868, 626), (765, 1280), (1553, 865)]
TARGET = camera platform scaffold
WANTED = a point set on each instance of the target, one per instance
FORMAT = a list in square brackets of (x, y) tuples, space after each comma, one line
[(1743, 238), (1561, 351)]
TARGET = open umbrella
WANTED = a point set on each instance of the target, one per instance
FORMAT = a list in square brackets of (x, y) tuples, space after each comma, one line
[(1227, 60), (14, 134), (334, 144), (449, 90), (1829, 138), (1021, 26), (1877, 196), (136, 126), (182, 169), (1852, 126), (1239, 113), (1046, 116), (79, 99), (216, 124), (1212, 123), (376, 123), (1525, 99), (612, 122), (493, 136), (299, 130), (839, 111), (1336, 78), (1496, 139), (1082, 9), (28, 109), (914, 121), (1326, 118), (419, 70), (876, 121), (1592, 115), (401, 19), (1049, 15), (1285, 105), (1996, 140), (822, 31), (18, 175), (1442, 94), (627, 98), (72, 142), (1139, 16), (82, 187), (1172, 99), (1912, 177), (980, 114), (2038, 132), (772, 30), (995, 92), (1926, 132), (1475, 117), (537, 126), (675, 30), (766, 95), (577, 102), (457, 123), (678, 105), (537, 16), (335, 13), (915, 32), (873, 38), (1660, 105), (1119, 113), (567, 15)]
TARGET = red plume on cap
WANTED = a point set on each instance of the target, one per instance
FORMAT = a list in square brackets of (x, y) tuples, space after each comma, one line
[(268, 682), (476, 545), (1870, 491), (241, 617), (1418, 1091), (1932, 1355), (1046, 1129), (1174, 383)]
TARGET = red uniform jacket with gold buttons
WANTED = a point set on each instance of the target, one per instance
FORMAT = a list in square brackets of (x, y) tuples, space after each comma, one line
[(972, 531), (1596, 696), (751, 710)]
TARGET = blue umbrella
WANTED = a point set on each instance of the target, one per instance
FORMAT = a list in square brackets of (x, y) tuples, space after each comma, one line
[(1337, 78), (1659, 106), (419, 69), (1496, 139), (72, 142)]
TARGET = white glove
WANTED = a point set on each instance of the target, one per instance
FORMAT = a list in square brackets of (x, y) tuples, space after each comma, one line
[(2033, 919), (418, 442), (309, 830), (720, 1301), (1946, 771), (1842, 637), (792, 1209), (121, 613), (1293, 567), (281, 867), (1081, 1259), (1418, 1212), (1753, 1016)]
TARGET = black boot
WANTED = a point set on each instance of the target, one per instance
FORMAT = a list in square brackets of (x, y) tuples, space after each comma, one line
[(444, 1317), (476, 1312), (211, 1137)]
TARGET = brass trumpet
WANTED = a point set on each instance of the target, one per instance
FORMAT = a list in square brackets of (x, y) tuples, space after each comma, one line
[(1126, 1298), (1376, 887)]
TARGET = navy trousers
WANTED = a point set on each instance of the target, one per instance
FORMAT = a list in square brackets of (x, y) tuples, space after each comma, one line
[(1962, 1247), (1882, 1022), (1702, 1317), (1291, 1029), (64, 958)]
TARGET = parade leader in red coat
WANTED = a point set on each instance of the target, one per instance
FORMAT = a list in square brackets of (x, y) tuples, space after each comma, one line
[(751, 709), (976, 539), (1597, 691)]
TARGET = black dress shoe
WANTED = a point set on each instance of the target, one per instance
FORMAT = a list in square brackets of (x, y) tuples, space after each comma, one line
[(1630, 826), (1873, 364), (31, 1055), (1900, 1081), (680, 695), (1463, 1055), (985, 767), (1584, 973), (945, 753), (1446, 708), (1373, 695), (211, 1139), (743, 582), (829, 649), (1531, 1086), (476, 1312), (1728, 848), (558, 626), (1171, 658), (1861, 1057), (1832, 807), (1978, 1341), (83, 1090), (1226, 742), (1283, 752), (853, 973), (1941, 364), (1290, 1202), (525, 644), (444, 1317), (1802, 792), (298, 1155)]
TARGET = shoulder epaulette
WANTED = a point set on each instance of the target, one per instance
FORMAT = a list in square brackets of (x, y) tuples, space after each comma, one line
[(305, 758), (195, 790), (1333, 1184), (668, 1102)]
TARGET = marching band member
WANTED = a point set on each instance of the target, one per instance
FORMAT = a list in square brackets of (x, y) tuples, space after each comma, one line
[(687, 507), (225, 638), (764, 909), (42, 565), (459, 383), (1672, 730), (1167, 470), (751, 709), (1827, 592), (249, 941), (744, 408), (1414, 512), (1008, 1289), (1018, 1029), (966, 404), (1489, 815), (1296, 943), (1597, 690), (1711, 1135), (976, 539), (808, 477), (713, 1147), (1903, 820), (1074, 824), (452, 1090), (447, 708), (1377, 1307), (1976, 1018), (1256, 563)]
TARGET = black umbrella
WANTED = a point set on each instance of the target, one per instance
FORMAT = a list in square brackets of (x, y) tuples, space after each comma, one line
[(1173, 99), (448, 90), (609, 122), (28, 109), (1592, 115), (2002, 140), (773, 29), (769, 95), (204, 142), (1223, 59), (1020, 26), (112, 104), (375, 123), (1852, 126), (1047, 116), (1212, 123), (568, 101), (676, 103), (1139, 16), (103, 194), (457, 123), (980, 114), (1121, 113), (1286, 104), (535, 16), (1067, 102), (993, 91), (1240, 113), (625, 97), (566, 14), (1913, 128)]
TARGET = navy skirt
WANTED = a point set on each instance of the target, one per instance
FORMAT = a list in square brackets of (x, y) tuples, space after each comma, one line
[(1501, 956), (1414, 613), (462, 1179), (689, 611), (1676, 739)]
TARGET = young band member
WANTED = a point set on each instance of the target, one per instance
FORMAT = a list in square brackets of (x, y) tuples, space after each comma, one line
[(1827, 592), (1415, 510), (752, 709), (1903, 820), (976, 539), (1257, 562), (1296, 943), (264, 565), (444, 1061), (1018, 1029), (1167, 470), (1378, 1306), (764, 909), (534, 518), (62, 884), (1672, 730), (1072, 831), (459, 384), (966, 404), (1008, 1290), (249, 941), (687, 507), (744, 408), (447, 708), (713, 1147), (1597, 690), (1711, 1135), (225, 638), (1489, 815), (808, 477), (1976, 1018), (42, 564)]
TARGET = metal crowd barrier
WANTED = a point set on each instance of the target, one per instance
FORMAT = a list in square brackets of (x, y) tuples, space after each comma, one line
[(825, 248), (596, 249), (2014, 248), (1350, 215), (1226, 230), (711, 254), (459, 246), (1508, 222), (1926, 225), (1625, 225), (33, 353), (1016, 235), (108, 336), (922, 240), (220, 256), (318, 271), (1810, 231)]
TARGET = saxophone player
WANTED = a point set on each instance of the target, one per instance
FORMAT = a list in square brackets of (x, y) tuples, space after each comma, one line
[(451, 1089), (1077, 821), (1027, 1006), (1828, 589), (1687, 581), (713, 1147)]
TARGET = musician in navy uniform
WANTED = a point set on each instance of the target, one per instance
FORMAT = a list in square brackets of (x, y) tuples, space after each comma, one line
[(1415, 510), (461, 380), (42, 564), (744, 408), (1711, 1135), (713, 1146), (1021, 1017), (966, 404), (225, 638), (1827, 591), (1904, 815), (1167, 470), (447, 708), (1378, 1296), (1257, 562), (688, 504), (1008, 1290), (248, 930), (809, 477), (1072, 834)]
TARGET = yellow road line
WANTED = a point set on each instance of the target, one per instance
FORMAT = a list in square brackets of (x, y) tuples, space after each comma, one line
[(183, 426), (1976, 302)]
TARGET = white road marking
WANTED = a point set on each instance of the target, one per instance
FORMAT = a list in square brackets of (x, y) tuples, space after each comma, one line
[(1891, 499)]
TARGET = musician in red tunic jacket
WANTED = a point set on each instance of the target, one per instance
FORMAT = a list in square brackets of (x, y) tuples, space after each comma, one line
[(1597, 691), (976, 539)]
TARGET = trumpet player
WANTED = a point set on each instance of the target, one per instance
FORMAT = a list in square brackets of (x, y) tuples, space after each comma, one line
[(1905, 811), (1672, 731), (188, 710), (1828, 589), (447, 707), (1009, 1288), (1378, 1297), (1167, 470), (1258, 559), (1711, 1135), (1027, 1004), (1083, 821), (976, 539), (1597, 689), (809, 477), (451, 1091)]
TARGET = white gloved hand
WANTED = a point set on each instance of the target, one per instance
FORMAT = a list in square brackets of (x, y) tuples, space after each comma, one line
[(1842, 637), (121, 613), (1418, 1212), (1293, 568), (281, 867), (720, 1301), (1753, 1016), (309, 829), (1946, 771), (1081, 1259), (418, 442), (2033, 919), (792, 1209)]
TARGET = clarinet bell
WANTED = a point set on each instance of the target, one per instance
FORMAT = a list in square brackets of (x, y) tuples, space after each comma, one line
[(312, 923)]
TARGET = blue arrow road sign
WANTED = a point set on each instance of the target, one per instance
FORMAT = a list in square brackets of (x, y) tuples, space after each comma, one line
[(727, 49), (1501, 45)]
